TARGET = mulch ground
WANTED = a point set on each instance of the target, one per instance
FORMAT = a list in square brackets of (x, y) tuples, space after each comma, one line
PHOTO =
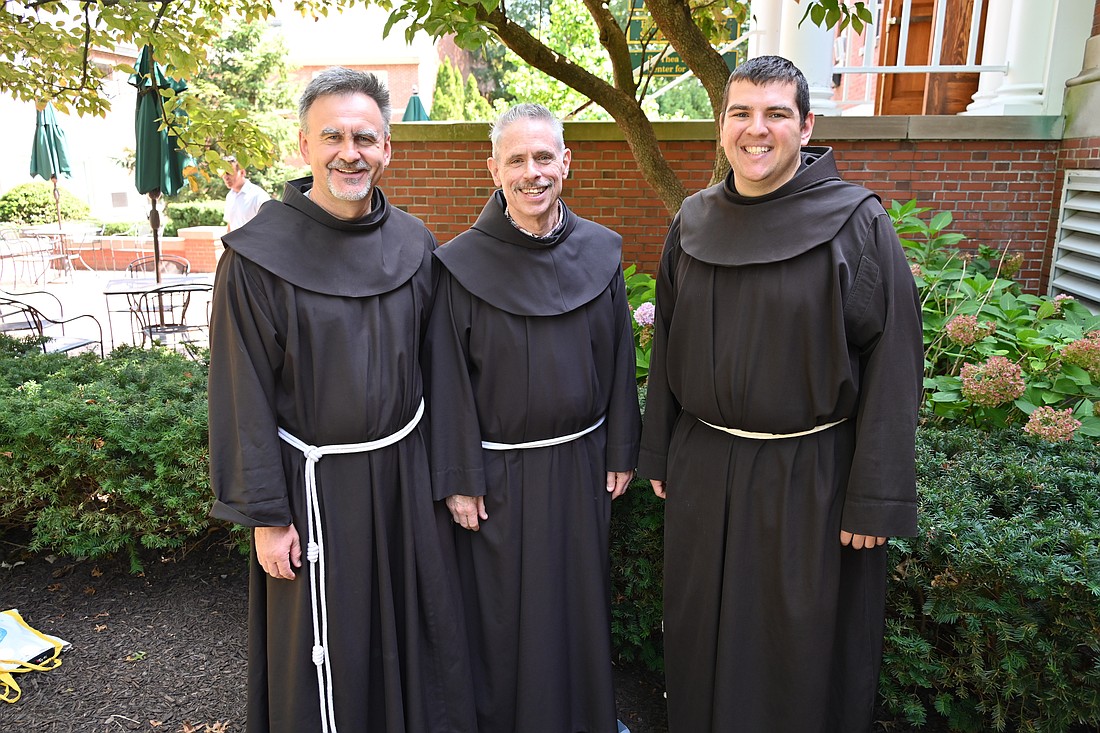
[(165, 650)]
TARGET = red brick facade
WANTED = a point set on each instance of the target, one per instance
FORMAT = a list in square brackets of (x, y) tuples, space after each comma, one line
[(1002, 193)]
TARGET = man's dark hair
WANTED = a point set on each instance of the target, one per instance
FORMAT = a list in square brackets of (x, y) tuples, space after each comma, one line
[(339, 80), (771, 70)]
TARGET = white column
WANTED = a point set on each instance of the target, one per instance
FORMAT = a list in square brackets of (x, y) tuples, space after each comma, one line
[(810, 49), (1027, 52), (997, 20), (766, 16)]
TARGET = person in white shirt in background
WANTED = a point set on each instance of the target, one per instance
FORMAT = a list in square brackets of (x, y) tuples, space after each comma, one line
[(244, 197)]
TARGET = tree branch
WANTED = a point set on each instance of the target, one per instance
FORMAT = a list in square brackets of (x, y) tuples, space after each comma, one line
[(621, 104), (614, 40)]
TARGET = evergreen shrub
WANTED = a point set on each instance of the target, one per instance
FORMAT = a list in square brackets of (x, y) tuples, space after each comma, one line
[(32, 203), (994, 609), (193, 214), (99, 456)]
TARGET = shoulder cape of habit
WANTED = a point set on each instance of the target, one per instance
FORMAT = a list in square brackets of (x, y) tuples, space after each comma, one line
[(303, 244), (721, 227), (530, 277)]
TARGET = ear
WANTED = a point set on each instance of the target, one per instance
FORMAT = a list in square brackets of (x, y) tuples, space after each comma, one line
[(303, 145), (566, 157), (491, 162), (807, 127), (387, 151)]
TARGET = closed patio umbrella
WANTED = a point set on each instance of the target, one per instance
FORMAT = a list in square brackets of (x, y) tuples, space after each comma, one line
[(50, 154), (414, 110), (158, 161)]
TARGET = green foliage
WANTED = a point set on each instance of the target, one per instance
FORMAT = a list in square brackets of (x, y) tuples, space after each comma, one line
[(99, 456), (449, 95), (475, 107), (830, 13), (121, 227), (49, 47), (193, 214), (637, 554), (994, 618), (685, 101), (640, 291), (246, 75), (455, 99), (32, 203), (567, 29), (274, 177), (1029, 331)]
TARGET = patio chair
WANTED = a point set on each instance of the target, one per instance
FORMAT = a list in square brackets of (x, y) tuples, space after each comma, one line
[(18, 318), (30, 256), (161, 315), (169, 265)]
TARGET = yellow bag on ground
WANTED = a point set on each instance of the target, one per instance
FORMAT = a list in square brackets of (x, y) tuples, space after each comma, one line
[(23, 649)]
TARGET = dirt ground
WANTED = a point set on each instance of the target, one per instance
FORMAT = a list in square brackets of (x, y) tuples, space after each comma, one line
[(164, 651)]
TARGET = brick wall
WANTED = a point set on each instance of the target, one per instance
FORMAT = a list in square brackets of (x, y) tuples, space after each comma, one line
[(1002, 192)]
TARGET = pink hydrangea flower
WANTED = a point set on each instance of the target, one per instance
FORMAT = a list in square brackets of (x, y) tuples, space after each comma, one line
[(1085, 353), (993, 383), (644, 313), (1058, 300), (1052, 425), (965, 330), (915, 269)]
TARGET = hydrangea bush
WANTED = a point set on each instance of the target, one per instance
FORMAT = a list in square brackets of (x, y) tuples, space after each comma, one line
[(994, 355)]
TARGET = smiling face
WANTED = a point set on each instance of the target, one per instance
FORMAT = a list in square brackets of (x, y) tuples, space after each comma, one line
[(345, 142), (762, 135), (529, 165)]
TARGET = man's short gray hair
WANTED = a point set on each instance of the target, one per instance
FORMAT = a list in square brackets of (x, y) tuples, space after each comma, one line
[(527, 111), (340, 81)]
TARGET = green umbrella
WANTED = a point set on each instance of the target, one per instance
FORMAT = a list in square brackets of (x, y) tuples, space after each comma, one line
[(158, 162), (414, 110), (50, 154)]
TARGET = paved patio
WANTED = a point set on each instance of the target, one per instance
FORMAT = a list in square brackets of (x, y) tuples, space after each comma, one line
[(82, 292)]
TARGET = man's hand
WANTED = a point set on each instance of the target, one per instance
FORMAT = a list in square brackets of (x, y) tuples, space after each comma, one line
[(278, 550), (658, 487), (860, 541), (617, 481), (467, 510)]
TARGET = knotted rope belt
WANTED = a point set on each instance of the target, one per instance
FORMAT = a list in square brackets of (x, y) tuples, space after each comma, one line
[(315, 552), (489, 445), (772, 436)]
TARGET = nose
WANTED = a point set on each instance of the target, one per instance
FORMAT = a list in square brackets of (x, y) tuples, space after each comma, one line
[(348, 150), (757, 123), (533, 169)]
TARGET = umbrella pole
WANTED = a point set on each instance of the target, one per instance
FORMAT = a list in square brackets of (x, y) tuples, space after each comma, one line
[(154, 224), (56, 201)]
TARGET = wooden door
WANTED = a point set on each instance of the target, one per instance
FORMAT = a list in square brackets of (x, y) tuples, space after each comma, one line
[(927, 94)]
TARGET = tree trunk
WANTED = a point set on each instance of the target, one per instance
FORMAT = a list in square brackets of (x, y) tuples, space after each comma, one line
[(619, 103)]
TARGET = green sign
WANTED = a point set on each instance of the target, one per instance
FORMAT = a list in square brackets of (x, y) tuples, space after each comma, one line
[(646, 42)]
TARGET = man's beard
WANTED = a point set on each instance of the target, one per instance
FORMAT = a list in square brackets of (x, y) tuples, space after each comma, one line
[(352, 194)]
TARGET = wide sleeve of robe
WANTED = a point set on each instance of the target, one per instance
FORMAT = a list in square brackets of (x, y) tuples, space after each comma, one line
[(246, 467), (457, 465), (661, 406), (623, 417), (882, 316)]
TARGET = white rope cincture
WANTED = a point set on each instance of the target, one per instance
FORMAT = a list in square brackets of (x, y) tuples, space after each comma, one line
[(772, 436), (489, 445), (315, 552)]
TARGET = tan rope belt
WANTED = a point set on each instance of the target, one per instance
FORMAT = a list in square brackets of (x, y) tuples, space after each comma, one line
[(772, 436)]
